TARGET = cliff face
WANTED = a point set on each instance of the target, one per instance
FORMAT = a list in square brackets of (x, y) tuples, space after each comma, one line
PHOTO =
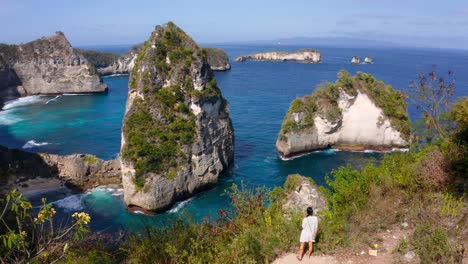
[(177, 134), (354, 113), (307, 55), (48, 65), (122, 65), (218, 59), (9, 81)]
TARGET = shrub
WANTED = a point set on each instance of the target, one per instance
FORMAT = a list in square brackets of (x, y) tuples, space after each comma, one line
[(25, 235)]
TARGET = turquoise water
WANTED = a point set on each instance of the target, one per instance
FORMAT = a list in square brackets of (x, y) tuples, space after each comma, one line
[(259, 94)]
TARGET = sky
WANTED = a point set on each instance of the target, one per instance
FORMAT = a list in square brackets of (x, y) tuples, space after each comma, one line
[(419, 23)]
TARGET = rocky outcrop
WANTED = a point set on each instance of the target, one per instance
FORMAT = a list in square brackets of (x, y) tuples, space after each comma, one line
[(78, 170), (83, 170), (48, 65), (217, 59), (122, 65), (307, 55), (355, 113), (368, 60), (302, 193), (9, 81), (177, 135), (355, 60)]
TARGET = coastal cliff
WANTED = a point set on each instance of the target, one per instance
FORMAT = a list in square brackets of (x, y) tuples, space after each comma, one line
[(48, 65), (306, 55), (217, 59), (177, 135), (354, 113), (121, 65)]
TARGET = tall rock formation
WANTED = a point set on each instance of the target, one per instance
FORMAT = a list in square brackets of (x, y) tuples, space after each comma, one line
[(48, 65), (177, 135), (355, 113)]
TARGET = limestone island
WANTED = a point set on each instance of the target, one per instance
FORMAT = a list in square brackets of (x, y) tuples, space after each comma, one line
[(355, 60), (354, 113), (46, 66), (306, 55), (368, 60), (217, 59), (177, 136)]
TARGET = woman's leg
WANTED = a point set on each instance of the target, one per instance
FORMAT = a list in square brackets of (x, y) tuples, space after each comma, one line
[(301, 251), (311, 248)]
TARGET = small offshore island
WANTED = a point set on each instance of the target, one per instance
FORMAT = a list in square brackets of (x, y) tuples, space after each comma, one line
[(355, 113), (306, 56)]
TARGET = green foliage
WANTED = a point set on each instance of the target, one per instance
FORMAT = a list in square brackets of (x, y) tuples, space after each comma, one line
[(27, 235), (99, 59), (324, 102), (451, 205), (211, 91), (251, 233), (91, 159), (402, 246), (433, 246), (216, 57)]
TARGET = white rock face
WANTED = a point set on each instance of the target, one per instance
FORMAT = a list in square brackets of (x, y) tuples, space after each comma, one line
[(362, 126), (355, 60), (310, 56), (368, 60), (304, 195)]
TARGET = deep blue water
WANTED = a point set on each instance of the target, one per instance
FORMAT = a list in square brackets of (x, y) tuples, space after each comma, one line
[(259, 94)]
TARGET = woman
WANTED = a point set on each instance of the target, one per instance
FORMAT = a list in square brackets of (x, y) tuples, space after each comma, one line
[(309, 230)]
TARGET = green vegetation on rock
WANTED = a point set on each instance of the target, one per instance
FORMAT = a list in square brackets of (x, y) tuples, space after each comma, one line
[(99, 59), (324, 102), (160, 128), (216, 57), (8, 52)]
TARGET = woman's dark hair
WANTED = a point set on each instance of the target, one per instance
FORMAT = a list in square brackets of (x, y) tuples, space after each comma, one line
[(310, 211)]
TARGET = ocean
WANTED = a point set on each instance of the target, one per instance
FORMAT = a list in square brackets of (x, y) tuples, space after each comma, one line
[(259, 94)]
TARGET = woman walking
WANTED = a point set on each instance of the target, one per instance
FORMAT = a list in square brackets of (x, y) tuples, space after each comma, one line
[(308, 233)]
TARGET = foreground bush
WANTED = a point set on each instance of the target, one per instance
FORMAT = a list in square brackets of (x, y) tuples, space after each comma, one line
[(251, 233), (29, 236)]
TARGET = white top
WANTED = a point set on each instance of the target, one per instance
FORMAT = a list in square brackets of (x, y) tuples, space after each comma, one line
[(309, 229)]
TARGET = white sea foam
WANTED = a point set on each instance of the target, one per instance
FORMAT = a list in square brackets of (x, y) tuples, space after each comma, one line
[(70, 203), (138, 212), (179, 205), (114, 75), (332, 152), (8, 118), (21, 102), (72, 94), (53, 99), (32, 144)]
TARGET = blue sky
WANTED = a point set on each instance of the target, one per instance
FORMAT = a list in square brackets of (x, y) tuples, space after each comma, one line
[(432, 23)]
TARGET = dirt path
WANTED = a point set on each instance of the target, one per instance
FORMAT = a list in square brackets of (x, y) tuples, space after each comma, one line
[(390, 240)]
